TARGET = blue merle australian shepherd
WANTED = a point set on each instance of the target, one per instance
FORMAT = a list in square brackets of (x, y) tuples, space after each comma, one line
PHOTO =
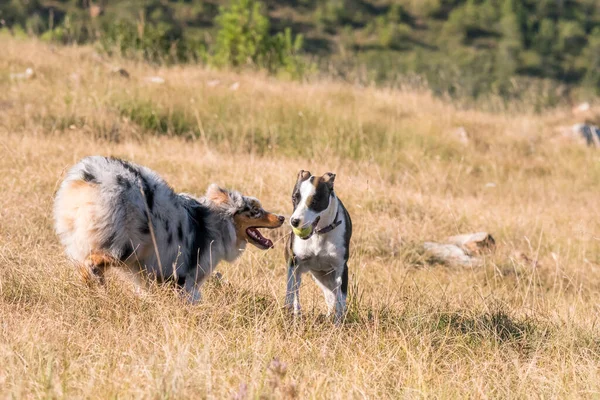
[(113, 213)]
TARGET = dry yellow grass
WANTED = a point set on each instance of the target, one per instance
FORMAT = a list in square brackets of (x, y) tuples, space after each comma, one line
[(523, 325)]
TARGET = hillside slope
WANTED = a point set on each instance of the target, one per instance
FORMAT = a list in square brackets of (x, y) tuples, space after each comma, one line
[(464, 48), (525, 324)]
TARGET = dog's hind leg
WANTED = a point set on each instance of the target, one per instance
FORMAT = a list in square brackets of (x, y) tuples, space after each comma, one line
[(292, 296), (94, 266), (342, 292)]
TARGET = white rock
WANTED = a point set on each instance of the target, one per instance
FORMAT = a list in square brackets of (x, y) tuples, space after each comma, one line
[(155, 79), (583, 107), (450, 254), (461, 135), (28, 74), (474, 243)]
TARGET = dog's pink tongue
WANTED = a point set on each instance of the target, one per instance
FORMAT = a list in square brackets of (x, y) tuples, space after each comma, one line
[(255, 234)]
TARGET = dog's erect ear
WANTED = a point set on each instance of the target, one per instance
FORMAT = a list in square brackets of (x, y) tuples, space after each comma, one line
[(329, 178), (303, 175), (217, 194)]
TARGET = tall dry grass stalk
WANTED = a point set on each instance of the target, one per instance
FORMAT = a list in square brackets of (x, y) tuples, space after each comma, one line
[(523, 325)]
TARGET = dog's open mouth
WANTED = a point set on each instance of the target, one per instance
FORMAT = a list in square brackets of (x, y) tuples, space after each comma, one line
[(257, 239)]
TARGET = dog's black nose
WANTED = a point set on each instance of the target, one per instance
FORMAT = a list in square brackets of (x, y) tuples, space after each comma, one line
[(295, 222), (281, 218)]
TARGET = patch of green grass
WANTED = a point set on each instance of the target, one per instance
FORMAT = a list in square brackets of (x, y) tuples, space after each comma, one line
[(305, 133), (158, 120)]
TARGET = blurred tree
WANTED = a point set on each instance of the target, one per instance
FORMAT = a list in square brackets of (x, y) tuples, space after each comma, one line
[(243, 39), (591, 56), (510, 44)]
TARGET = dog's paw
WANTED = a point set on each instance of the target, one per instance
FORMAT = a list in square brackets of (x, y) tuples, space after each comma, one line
[(295, 311)]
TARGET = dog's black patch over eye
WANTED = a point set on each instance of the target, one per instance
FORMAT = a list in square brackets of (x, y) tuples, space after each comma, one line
[(320, 200)]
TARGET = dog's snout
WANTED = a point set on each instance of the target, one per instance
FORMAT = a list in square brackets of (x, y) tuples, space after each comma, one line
[(295, 222), (281, 218)]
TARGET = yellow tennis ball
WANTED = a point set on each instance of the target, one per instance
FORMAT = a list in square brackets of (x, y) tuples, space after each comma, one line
[(302, 232)]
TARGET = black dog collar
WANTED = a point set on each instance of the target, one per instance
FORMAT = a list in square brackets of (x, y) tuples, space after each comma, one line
[(331, 226)]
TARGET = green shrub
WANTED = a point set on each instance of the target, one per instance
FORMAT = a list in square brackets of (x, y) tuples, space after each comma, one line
[(156, 42), (242, 36), (391, 34), (243, 39), (55, 35), (76, 28), (283, 54), (592, 55), (35, 25)]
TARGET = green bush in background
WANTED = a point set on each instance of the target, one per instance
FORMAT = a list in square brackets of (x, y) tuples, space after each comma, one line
[(244, 39)]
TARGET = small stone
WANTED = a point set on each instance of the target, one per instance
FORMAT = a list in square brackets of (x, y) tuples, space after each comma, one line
[(28, 74), (450, 254), (580, 108), (155, 79), (474, 243), (461, 135)]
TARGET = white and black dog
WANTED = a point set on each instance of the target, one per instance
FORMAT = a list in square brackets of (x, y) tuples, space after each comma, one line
[(109, 212), (320, 243)]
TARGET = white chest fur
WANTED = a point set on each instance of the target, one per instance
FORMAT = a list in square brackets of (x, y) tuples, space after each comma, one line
[(323, 251)]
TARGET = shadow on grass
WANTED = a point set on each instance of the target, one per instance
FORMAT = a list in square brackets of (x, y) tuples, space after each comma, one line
[(438, 322), (496, 325)]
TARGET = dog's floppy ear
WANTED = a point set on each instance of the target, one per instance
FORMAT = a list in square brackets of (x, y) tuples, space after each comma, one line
[(329, 178), (217, 194), (303, 175)]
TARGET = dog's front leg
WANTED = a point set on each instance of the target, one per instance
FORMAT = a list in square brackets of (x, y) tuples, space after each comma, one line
[(292, 296), (193, 281), (192, 291)]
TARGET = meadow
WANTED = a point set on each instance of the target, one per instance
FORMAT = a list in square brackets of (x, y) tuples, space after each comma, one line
[(525, 324)]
